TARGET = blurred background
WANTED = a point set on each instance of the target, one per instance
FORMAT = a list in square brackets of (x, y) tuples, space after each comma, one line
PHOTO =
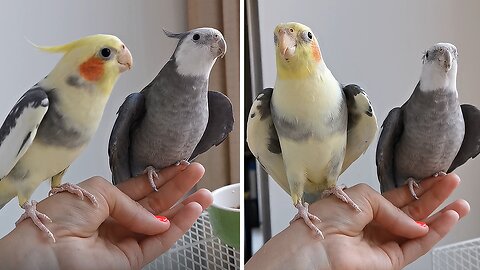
[(139, 25), (379, 46)]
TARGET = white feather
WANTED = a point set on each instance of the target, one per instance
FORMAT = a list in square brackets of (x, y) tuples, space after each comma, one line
[(434, 77), (195, 59), (27, 122)]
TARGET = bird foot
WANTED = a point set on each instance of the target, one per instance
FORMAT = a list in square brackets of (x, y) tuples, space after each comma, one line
[(74, 189), (307, 218), (339, 193), (37, 217), (440, 173), (152, 175), (412, 184)]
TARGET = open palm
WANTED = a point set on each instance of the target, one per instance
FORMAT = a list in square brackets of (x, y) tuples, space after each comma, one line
[(123, 232), (385, 235)]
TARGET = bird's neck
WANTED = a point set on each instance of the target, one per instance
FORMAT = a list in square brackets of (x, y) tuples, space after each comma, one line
[(302, 71), (433, 78), (190, 65)]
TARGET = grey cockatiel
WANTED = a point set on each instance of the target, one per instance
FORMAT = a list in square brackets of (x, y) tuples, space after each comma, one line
[(309, 129), (174, 118), (431, 133)]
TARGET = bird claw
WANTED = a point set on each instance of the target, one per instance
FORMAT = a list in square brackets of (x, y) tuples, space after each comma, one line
[(74, 189), (36, 217), (440, 173), (339, 193), (152, 175), (307, 218), (412, 184), (182, 162)]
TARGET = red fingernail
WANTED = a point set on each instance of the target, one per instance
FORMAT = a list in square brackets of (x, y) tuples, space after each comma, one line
[(423, 224), (162, 218)]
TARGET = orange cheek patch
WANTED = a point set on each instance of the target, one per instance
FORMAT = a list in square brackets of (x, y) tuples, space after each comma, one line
[(92, 69), (316, 52)]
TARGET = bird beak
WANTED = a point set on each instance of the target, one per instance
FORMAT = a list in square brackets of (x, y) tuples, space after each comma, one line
[(447, 62), (286, 43), (125, 59), (220, 45)]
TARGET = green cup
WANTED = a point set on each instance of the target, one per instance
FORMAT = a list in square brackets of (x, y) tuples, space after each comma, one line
[(225, 214)]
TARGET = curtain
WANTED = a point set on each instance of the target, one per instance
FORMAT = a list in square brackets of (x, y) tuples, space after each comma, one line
[(222, 163)]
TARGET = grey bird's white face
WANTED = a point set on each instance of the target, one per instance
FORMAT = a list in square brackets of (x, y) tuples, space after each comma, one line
[(439, 67), (198, 50)]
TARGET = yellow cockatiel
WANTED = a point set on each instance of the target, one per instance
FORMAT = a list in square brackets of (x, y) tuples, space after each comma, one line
[(55, 119), (308, 129)]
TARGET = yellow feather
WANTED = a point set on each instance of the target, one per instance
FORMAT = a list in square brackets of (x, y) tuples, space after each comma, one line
[(88, 40)]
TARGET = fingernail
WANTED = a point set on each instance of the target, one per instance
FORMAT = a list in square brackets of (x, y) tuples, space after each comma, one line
[(162, 218), (421, 223)]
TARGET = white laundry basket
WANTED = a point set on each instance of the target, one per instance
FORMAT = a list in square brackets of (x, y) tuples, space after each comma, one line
[(459, 256), (198, 249)]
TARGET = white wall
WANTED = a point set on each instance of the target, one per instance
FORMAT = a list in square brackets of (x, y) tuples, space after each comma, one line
[(378, 45), (138, 23)]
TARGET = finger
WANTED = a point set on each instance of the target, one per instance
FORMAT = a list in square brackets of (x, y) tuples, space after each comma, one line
[(460, 206), (429, 201), (123, 209), (202, 196), (174, 189), (401, 196), (138, 187), (439, 227), (154, 246), (392, 218)]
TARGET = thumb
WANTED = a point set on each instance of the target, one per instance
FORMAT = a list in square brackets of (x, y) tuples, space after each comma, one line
[(126, 211)]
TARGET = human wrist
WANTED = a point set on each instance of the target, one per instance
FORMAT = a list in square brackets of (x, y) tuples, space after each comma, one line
[(293, 248), (26, 247)]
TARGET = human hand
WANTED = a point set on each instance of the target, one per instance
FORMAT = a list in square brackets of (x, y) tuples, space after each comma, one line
[(383, 236), (122, 233)]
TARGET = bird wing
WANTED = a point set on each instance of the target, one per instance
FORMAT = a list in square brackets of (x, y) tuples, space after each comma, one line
[(362, 124), (20, 127), (471, 141), (132, 109), (392, 129), (220, 123), (262, 139)]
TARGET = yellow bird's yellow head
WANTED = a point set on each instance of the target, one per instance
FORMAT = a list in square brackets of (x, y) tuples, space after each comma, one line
[(297, 52), (92, 60)]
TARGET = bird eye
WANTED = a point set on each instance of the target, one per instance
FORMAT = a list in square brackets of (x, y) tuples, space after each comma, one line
[(105, 52), (426, 55), (196, 37), (307, 36), (291, 30)]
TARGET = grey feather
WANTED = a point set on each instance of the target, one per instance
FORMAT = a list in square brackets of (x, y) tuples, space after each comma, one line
[(176, 119), (428, 134), (432, 134), (471, 142), (264, 142), (220, 123), (362, 124), (392, 129), (132, 109), (55, 129), (21, 138)]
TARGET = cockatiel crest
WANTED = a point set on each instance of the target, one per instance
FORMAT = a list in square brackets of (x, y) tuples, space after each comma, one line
[(98, 59), (175, 117), (54, 120)]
